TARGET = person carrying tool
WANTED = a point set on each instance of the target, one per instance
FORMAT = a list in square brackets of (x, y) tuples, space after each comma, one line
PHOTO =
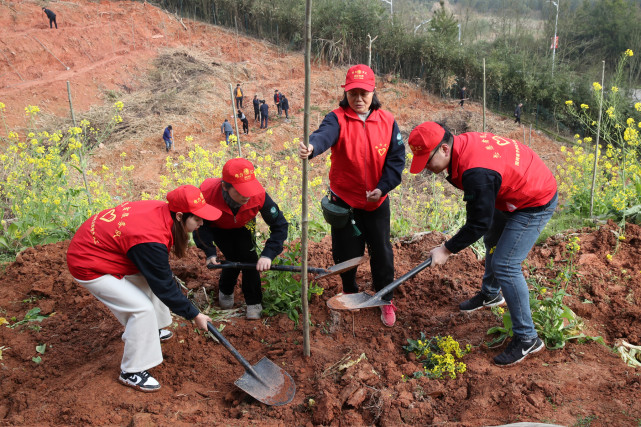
[(510, 195), (245, 122), (121, 256), (240, 197), (52, 17), (368, 157)]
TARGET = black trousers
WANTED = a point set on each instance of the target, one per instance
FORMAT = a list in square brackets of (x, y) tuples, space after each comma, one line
[(52, 21), (238, 245), (256, 114), (246, 126), (375, 233), (518, 119), (239, 102)]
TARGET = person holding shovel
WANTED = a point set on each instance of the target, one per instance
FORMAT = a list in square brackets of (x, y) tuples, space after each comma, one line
[(121, 256), (368, 157), (510, 195), (240, 197)]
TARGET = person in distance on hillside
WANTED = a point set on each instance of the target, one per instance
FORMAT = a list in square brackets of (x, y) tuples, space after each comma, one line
[(245, 122), (264, 114), (462, 96), (168, 137), (51, 16), (510, 195), (284, 105), (256, 103), (238, 94), (277, 101), (240, 197), (121, 256), (368, 157), (226, 129), (517, 113)]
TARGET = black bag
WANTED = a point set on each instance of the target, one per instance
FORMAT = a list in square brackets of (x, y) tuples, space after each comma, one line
[(338, 216), (335, 215)]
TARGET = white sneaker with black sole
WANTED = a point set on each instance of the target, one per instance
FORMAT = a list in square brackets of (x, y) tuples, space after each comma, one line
[(165, 335), (480, 300), (142, 381), (517, 350)]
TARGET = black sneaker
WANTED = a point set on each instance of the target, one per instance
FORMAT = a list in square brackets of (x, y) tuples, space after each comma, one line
[(140, 380), (165, 334), (518, 350), (481, 300)]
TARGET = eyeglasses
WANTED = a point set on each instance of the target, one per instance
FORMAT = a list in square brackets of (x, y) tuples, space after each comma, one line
[(432, 155)]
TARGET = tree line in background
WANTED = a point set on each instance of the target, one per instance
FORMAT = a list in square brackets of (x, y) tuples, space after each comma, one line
[(426, 42)]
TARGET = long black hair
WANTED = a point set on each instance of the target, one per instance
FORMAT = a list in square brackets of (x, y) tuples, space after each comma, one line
[(180, 235), (375, 105)]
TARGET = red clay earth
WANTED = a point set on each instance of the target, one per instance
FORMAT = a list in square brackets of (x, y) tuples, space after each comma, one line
[(108, 45)]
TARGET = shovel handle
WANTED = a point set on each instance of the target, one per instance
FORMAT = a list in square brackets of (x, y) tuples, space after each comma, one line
[(278, 267), (234, 352), (405, 277)]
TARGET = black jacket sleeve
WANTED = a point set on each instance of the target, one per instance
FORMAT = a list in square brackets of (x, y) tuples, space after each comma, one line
[(152, 260), (326, 135), (278, 227), (204, 239), (480, 187), (394, 163)]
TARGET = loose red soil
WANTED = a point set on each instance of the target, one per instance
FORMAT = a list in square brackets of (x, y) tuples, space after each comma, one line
[(109, 45)]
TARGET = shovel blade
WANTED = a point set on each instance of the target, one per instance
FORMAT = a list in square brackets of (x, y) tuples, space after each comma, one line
[(355, 301), (268, 383), (342, 267)]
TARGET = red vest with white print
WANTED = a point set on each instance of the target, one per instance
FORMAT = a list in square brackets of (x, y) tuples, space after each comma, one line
[(212, 189), (359, 156), (525, 180), (100, 245)]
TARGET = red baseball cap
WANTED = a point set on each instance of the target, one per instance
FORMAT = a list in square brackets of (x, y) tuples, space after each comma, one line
[(422, 141), (239, 173), (360, 77), (188, 198)]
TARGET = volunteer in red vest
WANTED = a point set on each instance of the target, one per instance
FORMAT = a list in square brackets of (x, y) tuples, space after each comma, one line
[(240, 197), (368, 157), (121, 256), (510, 195)]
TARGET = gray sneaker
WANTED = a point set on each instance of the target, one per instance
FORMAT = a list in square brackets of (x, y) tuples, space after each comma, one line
[(226, 301), (253, 311)]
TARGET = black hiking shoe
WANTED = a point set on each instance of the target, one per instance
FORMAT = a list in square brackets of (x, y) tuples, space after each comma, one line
[(518, 350), (481, 300), (140, 381)]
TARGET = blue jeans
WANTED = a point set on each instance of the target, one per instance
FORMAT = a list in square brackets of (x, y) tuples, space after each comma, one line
[(168, 144), (507, 244), (227, 135)]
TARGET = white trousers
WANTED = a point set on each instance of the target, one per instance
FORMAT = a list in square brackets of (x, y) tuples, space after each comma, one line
[(142, 314)]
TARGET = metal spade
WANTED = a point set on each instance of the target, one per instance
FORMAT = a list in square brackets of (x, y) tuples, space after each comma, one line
[(365, 300), (320, 272), (264, 381)]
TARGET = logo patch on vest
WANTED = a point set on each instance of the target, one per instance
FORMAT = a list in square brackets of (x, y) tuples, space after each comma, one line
[(399, 139), (274, 211)]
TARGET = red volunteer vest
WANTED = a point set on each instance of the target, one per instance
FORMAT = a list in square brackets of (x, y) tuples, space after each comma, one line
[(359, 155), (526, 180), (212, 189), (100, 245)]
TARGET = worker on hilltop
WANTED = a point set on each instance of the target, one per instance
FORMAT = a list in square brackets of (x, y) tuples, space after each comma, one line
[(510, 195), (51, 16)]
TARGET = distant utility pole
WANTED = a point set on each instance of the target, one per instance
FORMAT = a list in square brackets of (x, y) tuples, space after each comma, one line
[(420, 25), (555, 3), (391, 6)]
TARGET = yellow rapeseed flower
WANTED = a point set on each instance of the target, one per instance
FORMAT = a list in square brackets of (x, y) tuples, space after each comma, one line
[(569, 102), (597, 87), (584, 106), (629, 52)]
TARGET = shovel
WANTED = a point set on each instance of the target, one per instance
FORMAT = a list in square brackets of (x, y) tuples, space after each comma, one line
[(320, 272), (364, 300), (264, 381)]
